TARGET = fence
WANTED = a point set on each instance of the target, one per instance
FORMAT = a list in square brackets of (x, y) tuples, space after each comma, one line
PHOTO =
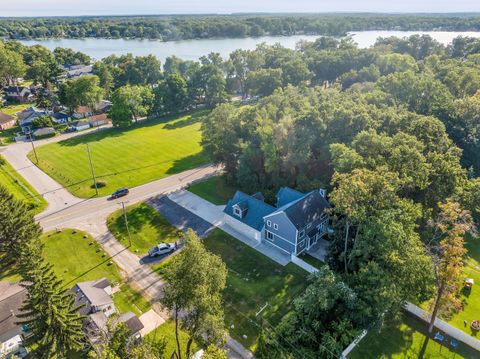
[(302, 264)]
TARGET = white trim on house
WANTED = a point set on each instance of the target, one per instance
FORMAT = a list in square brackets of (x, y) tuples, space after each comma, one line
[(269, 223), (275, 226), (268, 234)]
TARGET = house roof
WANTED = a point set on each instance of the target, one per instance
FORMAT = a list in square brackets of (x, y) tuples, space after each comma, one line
[(80, 123), (132, 322), (103, 105), (98, 118), (93, 291), (287, 195), (256, 209), (82, 109), (60, 116), (16, 89), (307, 209), (44, 131), (12, 296), (4, 118)]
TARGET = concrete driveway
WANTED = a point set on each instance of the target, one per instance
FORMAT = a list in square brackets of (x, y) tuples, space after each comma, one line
[(214, 215)]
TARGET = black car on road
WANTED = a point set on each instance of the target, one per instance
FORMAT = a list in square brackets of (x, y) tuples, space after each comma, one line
[(120, 193)]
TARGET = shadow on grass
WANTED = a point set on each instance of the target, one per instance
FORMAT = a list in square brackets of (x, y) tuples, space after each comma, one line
[(171, 122), (188, 163)]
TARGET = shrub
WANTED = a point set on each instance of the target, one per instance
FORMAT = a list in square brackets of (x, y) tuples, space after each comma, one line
[(100, 184)]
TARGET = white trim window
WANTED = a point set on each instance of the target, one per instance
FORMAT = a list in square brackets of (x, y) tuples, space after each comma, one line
[(269, 235), (275, 226), (301, 233), (237, 211), (269, 223)]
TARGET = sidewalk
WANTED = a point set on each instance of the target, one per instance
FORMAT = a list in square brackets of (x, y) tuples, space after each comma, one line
[(214, 215)]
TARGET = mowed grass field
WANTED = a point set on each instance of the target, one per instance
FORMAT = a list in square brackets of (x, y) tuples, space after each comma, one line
[(125, 157), (19, 188), (405, 339)]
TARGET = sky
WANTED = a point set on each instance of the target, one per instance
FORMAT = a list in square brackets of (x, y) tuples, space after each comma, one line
[(132, 7)]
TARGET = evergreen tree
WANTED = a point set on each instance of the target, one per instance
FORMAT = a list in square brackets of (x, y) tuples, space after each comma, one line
[(49, 311), (17, 226)]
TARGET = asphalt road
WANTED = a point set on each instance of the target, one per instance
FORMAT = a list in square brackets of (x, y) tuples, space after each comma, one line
[(67, 211)]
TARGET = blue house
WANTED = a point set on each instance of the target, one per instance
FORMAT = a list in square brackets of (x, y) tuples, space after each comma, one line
[(294, 224)]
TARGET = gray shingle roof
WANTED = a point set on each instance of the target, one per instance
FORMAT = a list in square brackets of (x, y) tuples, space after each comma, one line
[(12, 297), (306, 210), (132, 322), (287, 195), (93, 293), (256, 209)]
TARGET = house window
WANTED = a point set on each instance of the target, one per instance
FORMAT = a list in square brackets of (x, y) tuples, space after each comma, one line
[(301, 234), (269, 235), (275, 226), (269, 223), (237, 211)]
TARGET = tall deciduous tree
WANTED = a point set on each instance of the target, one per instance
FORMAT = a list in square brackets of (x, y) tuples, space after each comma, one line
[(195, 282), (130, 102), (448, 251), (84, 91)]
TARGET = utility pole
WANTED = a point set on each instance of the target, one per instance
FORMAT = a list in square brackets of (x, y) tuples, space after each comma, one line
[(126, 224), (33, 146), (91, 168)]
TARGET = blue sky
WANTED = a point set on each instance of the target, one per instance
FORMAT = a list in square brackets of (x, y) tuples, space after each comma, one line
[(120, 7)]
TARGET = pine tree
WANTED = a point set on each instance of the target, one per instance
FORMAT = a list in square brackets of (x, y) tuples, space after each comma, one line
[(17, 225), (49, 311)]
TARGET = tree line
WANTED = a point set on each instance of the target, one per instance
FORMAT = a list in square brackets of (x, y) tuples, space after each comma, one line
[(168, 28), (392, 132)]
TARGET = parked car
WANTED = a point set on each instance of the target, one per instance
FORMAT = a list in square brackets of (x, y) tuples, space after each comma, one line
[(162, 248), (120, 192)]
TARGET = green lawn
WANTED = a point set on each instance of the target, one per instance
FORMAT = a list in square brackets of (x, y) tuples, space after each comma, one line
[(215, 190), (167, 331), (6, 136), (125, 158), (146, 226), (253, 281), (129, 300), (405, 339), (78, 259), (471, 298), (20, 188)]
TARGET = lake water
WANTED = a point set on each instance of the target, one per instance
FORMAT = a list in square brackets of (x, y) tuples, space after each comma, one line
[(193, 49)]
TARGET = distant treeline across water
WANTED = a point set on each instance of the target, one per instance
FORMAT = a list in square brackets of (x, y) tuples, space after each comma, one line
[(184, 27)]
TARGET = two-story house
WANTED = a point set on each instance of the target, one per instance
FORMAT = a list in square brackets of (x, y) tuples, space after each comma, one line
[(294, 225)]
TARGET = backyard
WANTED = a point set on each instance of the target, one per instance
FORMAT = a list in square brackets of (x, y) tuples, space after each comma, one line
[(148, 151), (77, 257), (167, 331), (471, 297), (215, 189), (404, 339), (147, 228), (20, 188), (6, 136), (254, 282)]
